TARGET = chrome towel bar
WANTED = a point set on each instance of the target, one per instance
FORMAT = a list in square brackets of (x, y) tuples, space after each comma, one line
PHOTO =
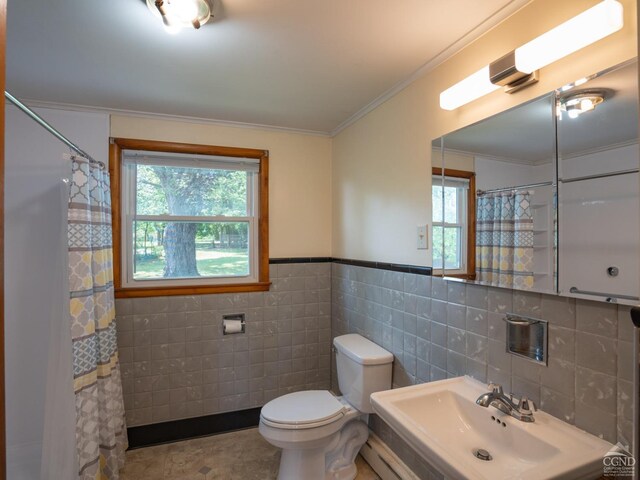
[(612, 296)]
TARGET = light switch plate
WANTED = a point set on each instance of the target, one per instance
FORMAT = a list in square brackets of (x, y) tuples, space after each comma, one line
[(423, 239)]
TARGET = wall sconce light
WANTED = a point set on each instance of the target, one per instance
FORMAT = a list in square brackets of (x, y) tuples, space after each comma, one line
[(577, 103), (177, 14), (518, 68)]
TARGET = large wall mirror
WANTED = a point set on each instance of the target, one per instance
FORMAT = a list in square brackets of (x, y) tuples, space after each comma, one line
[(544, 197)]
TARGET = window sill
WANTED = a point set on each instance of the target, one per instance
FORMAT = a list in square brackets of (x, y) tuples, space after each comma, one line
[(190, 290)]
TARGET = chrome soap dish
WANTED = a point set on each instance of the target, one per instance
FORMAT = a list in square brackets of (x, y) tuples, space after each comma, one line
[(527, 337)]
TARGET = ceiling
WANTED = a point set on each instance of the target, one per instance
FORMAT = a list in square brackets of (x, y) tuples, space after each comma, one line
[(525, 134), (301, 64)]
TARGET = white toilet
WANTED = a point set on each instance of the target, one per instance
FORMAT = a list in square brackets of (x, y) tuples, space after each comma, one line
[(321, 434)]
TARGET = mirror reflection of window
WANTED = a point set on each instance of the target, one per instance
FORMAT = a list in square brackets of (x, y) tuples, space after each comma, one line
[(453, 223), (510, 230)]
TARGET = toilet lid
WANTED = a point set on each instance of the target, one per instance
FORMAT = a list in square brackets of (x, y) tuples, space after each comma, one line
[(303, 408)]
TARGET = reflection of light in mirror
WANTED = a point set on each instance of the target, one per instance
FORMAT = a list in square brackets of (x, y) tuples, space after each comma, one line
[(577, 83), (581, 102)]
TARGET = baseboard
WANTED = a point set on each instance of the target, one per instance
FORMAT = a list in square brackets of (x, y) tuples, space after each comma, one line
[(176, 430), (384, 462)]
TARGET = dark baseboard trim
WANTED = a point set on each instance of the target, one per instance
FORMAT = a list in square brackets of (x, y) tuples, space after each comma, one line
[(394, 267), (282, 261), (418, 270), (176, 430)]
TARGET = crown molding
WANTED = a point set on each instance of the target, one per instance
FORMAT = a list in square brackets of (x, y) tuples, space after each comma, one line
[(440, 58), (168, 117), (600, 149)]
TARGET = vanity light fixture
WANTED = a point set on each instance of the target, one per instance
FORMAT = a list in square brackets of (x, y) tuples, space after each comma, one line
[(177, 14), (518, 68), (578, 103)]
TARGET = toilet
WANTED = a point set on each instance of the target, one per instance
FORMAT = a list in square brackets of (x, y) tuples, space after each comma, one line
[(321, 434)]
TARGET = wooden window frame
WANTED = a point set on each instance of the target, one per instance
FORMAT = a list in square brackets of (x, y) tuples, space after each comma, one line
[(117, 145), (471, 220)]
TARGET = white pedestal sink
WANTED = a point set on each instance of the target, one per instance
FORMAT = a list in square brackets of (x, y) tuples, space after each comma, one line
[(442, 422)]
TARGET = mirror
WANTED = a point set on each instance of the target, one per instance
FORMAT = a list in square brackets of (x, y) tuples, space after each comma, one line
[(544, 198), (512, 157), (598, 187)]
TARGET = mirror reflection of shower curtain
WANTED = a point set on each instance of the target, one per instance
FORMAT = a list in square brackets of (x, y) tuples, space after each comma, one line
[(504, 239)]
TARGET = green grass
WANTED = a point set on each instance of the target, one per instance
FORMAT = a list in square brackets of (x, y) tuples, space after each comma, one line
[(211, 262)]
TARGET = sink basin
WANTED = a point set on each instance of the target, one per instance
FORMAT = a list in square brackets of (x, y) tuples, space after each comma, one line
[(442, 422)]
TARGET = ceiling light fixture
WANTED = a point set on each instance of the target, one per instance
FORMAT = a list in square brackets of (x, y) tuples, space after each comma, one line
[(518, 68), (578, 103), (177, 14)]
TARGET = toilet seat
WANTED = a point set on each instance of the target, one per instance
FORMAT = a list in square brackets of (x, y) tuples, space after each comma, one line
[(301, 410)]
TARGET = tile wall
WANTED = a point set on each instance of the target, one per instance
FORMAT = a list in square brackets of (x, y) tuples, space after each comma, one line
[(439, 329), (176, 363)]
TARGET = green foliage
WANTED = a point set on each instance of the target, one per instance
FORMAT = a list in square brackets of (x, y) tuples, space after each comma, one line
[(180, 191), (451, 247), (190, 191)]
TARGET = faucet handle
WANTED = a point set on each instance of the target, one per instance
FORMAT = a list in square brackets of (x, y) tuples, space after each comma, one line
[(496, 388), (527, 406)]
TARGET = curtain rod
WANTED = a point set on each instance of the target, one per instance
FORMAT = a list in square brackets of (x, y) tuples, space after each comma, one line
[(519, 187), (43, 123), (568, 180)]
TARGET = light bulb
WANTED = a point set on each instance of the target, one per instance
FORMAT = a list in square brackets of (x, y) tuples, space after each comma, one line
[(185, 10), (586, 104), (574, 113)]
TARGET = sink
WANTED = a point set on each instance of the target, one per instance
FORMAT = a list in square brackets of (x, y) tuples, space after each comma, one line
[(442, 422)]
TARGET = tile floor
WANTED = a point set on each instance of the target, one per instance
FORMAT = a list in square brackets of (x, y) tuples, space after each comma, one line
[(241, 455)]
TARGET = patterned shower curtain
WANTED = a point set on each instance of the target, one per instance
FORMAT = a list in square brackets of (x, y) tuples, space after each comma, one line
[(101, 436), (504, 239)]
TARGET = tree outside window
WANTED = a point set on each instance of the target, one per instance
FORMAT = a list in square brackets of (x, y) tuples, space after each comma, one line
[(189, 219)]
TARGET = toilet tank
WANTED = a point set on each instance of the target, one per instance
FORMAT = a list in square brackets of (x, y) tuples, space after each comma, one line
[(363, 368)]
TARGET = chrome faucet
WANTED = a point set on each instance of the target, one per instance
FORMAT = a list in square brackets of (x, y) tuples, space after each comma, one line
[(520, 409)]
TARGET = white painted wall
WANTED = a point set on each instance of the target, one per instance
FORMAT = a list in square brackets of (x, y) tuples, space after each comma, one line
[(299, 176), (34, 228), (491, 173)]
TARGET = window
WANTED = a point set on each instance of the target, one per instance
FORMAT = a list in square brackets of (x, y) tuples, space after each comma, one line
[(453, 203), (188, 219)]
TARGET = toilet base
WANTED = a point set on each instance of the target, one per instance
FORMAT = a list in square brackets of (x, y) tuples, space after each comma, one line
[(307, 464), (340, 460), (335, 460)]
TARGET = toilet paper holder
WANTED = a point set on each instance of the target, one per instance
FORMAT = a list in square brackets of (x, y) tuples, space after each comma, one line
[(232, 319)]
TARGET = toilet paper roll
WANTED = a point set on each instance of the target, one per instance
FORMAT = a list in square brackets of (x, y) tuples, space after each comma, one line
[(232, 326)]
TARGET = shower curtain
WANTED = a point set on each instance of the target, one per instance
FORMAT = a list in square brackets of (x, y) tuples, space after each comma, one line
[(504, 239), (100, 430)]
